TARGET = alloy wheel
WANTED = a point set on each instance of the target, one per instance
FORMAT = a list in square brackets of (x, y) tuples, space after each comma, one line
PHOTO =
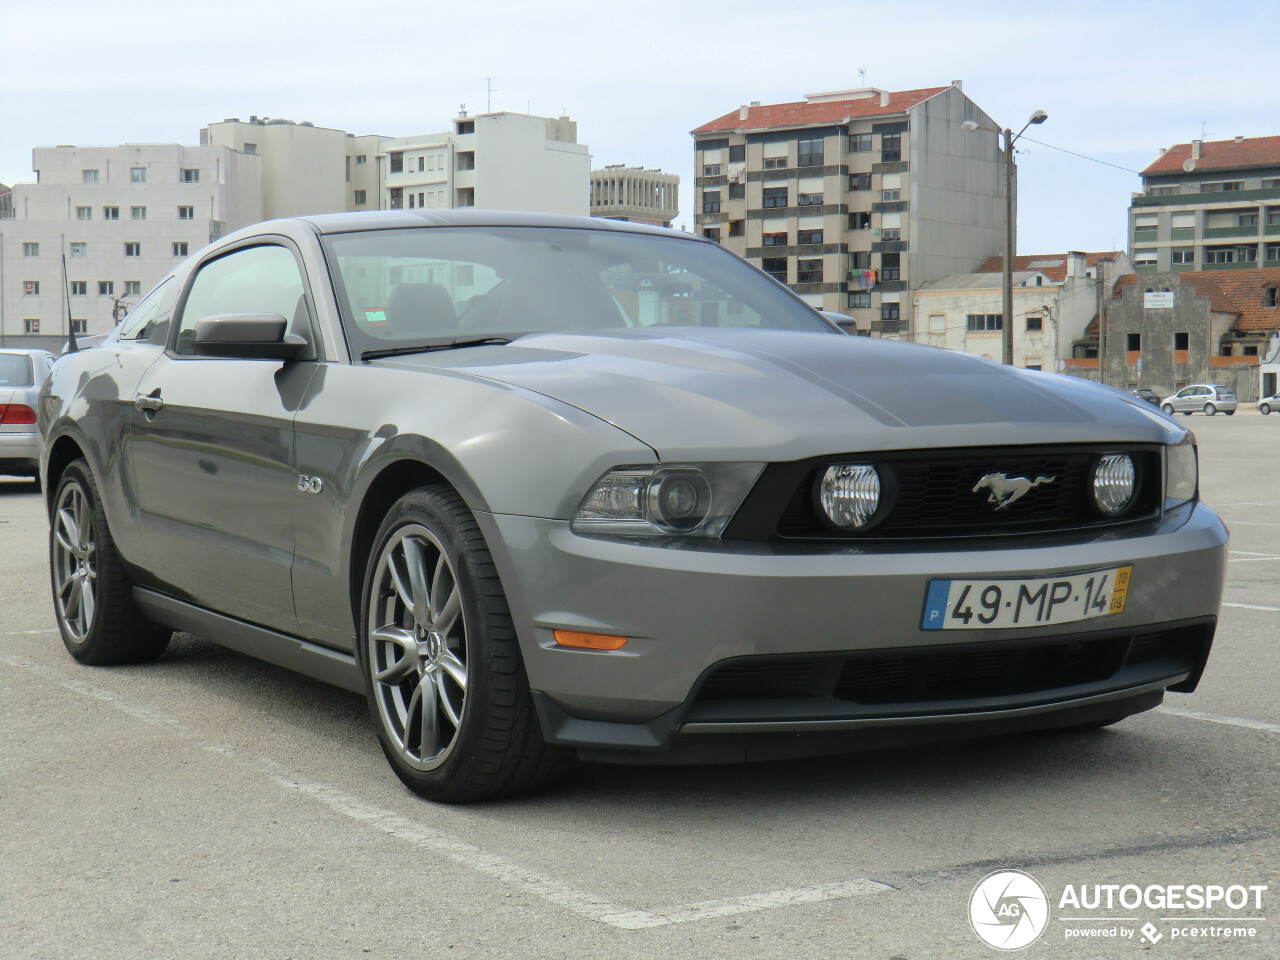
[(75, 562), (417, 647)]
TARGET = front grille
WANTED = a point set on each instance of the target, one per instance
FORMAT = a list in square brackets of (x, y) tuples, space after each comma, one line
[(932, 497)]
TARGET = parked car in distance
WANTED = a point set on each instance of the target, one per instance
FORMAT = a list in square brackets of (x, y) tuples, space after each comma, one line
[(1207, 398), (1267, 404), (544, 486), (1147, 394), (21, 373)]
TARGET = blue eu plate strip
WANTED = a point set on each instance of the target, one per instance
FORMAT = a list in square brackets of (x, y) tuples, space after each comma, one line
[(935, 605)]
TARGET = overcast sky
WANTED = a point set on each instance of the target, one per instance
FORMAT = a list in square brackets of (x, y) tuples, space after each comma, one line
[(1118, 80)]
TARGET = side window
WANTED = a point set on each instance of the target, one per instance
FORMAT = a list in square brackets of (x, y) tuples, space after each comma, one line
[(254, 280), (140, 321)]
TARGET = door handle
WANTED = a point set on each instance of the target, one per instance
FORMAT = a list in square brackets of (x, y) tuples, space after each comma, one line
[(149, 403)]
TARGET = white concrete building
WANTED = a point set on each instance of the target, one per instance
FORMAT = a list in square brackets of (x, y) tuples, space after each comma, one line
[(1054, 299), (635, 194)]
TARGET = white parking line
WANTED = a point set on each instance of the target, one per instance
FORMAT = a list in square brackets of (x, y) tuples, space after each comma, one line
[(1252, 559), (1251, 606), (1216, 718), (547, 888)]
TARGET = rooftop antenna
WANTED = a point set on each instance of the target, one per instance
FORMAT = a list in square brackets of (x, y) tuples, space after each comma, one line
[(72, 346), (862, 76), (1202, 126), (488, 97)]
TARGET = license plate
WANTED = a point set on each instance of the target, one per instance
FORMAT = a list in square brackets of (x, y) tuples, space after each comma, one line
[(999, 604)]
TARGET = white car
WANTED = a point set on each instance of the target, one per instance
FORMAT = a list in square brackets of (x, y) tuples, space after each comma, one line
[(1267, 404), (1206, 397)]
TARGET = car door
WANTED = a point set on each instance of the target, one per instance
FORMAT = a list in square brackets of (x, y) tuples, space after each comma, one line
[(212, 443), (1184, 399)]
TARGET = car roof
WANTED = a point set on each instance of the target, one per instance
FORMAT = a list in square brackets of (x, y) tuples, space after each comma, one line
[(471, 217)]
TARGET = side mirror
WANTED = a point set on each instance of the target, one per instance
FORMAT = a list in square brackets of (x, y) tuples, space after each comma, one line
[(248, 336)]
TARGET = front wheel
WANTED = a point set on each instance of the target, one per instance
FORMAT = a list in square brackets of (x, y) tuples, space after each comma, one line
[(1210, 409), (1168, 408), (443, 673), (1264, 409)]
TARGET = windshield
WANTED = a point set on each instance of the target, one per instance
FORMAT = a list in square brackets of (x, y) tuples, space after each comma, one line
[(437, 284), (15, 370)]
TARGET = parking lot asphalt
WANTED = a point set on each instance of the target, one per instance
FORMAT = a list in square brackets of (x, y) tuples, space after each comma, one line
[(209, 805)]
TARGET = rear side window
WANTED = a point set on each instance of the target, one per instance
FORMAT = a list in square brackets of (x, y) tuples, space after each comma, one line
[(254, 280), (155, 308), (15, 370)]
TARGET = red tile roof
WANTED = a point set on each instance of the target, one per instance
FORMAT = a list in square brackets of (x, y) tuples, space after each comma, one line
[(804, 113), (1220, 155), (1239, 292), (1052, 265)]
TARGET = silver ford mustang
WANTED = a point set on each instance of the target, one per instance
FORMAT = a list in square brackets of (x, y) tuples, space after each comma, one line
[(543, 486)]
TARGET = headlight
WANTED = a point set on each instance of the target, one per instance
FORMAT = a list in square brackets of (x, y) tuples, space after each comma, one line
[(1113, 483), (850, 494), (1181, 473), (683, 499)]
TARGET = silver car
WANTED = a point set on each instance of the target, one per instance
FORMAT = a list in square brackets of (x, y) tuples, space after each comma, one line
[(1207, 398), (1267, 404), (544, 487), (21, 372)]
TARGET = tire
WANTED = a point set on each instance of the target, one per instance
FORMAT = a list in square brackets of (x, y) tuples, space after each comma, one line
[(1168, 408), (1228, 413), (1210, 409), (92, 590), (1265, 409), (444, 678)]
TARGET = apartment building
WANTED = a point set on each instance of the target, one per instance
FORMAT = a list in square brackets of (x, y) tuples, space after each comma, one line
[(854, 198), (122, 216), (635, 194), (1055, 296), (500, 161), (1211, 205)]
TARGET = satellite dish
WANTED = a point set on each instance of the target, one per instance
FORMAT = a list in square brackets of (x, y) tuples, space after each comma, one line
[(1188, 165)]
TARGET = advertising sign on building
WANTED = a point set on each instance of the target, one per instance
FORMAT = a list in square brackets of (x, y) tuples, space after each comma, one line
[(1157, 300)]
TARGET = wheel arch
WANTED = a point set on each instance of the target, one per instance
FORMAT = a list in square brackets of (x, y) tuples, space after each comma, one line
[(64, 450)]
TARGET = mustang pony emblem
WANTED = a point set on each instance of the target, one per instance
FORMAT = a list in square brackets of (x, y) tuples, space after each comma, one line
[(1004, 491)]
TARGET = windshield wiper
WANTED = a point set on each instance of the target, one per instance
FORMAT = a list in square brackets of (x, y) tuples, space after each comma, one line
[(431, 347)]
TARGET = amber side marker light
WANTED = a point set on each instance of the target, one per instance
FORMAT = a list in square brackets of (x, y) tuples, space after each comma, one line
[(589, 641)]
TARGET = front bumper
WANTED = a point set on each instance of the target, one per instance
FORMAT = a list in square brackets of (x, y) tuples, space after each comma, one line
[(19, 453), (686, 610)]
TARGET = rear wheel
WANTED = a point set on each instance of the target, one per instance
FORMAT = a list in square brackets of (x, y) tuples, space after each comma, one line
[(92, 591), (1168, 408), (443, 673), (1210, 409)]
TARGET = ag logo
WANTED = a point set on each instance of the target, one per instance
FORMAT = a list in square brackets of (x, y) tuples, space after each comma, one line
[(1009, 909)]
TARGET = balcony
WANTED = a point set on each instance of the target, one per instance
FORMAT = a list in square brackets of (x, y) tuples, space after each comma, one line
[(1213, 233)]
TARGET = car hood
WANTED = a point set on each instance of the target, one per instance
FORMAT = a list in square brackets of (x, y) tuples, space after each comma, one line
[(772, 394)]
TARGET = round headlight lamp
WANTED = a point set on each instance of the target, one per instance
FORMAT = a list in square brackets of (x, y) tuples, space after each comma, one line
[(850, 494), (679, 500), (1114, 483)]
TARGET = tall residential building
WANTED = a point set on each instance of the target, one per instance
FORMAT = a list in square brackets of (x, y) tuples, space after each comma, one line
[(854, 198), (1209, 206), (500, 161), (635, 194)]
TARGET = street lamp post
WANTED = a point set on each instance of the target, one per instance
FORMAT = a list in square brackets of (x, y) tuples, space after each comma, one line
[(1010, 138)]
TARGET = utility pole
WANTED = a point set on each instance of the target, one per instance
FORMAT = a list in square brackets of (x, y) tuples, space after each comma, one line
[(1102, 328), (1007, 291), (488, 95)]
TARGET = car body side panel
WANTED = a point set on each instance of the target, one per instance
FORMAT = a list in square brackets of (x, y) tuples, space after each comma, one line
[(527, 453)]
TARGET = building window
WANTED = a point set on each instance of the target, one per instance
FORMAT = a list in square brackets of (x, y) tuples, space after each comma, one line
[(422, 162), (1035, 323), (190, 175), (1183, 255), (889, 311), (860, 260), (250, 149), (860, 143), (774, 197), (359, 197), (1145, 228), (890, 266), (809, 153), (106, 288), (1133, 342), (891, 233), (361, 158), (31, 288), (133, 249), (1034, 363), (1271, 297), (1162, 191), (137, 174), (137, 213), (1219, 255), (132, 288), (710, 201), (809, 271), (79, 250), (1144, 258), (860, 298), (80, 326), (737, 191), (711, 233), (79, 288), (411, 201), (738, 153), (859, 221), (397, 198), (808, 236), (84, 213), (891, 148), (180, 249), (466, 126), (421, 200), (89, 176), (984, 322), (859, 181), (186, 213), (711, 169), (30, 326), (31, 249), (775, 239), (1181, 341), (1250, 349), (467, 160), (775, 163), (890, 196), (1248, 220), (1273, 251), (737, 228), (775, 267), (1224, 186), (396, 162), (1246, 254), (809, 200), (110, 213), (1224, 350)]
